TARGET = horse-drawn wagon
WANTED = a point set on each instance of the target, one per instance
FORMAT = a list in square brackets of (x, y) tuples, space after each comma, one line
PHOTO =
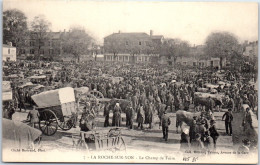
[(57, 108)]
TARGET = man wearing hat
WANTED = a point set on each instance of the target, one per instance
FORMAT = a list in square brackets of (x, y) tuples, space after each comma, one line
[(192, 131), (228, 121), (247, 121), (117, 115), (106, 114), (165, 125), (33, 116), (213, 132)]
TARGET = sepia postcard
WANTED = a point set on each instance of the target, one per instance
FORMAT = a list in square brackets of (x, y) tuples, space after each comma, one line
[(130, 81)]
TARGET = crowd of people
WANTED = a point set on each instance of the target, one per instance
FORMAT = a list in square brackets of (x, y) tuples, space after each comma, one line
[(150, 90)]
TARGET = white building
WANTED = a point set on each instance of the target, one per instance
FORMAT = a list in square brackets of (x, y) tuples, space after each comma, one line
[(9, 52)]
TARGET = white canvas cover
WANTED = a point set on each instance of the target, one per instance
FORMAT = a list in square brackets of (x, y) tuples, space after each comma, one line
[(6, 91), (54, 97), (6, 86), (7, 96)]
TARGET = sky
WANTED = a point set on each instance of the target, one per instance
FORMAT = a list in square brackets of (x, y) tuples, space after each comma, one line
[(190, 21)]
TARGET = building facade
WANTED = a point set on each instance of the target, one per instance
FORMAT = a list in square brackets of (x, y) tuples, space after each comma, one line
[(131, 47), (251, 50), (9, 52), (51, 45)]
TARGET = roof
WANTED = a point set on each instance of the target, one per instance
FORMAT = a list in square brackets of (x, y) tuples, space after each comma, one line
[(157, 37), (51, 35), (128, 35), (7, 46)]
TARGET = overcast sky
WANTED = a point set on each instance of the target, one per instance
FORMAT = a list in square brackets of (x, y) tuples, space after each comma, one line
[(191, 21)]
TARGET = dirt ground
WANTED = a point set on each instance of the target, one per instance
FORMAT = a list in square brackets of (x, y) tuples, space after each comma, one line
[(148, 139)]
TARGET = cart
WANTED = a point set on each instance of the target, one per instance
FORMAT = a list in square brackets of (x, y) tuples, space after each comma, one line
[(7, 94), (100, 140), (57, 109), (94, 97)]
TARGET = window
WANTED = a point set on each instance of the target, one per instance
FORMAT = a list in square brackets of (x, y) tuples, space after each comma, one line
[(31, 43), (140, 43), (9, 51), (32, 51), (126, 43), (120, 58)]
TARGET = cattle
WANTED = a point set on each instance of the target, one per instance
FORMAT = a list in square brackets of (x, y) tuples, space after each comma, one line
[(187, 117), (202, 98)]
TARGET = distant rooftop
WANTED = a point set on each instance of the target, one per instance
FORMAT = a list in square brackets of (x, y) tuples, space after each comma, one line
[(7, 46)]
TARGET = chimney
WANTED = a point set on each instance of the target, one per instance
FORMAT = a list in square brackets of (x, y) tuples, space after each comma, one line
[(10, 44), (151, 33), (119, 31)]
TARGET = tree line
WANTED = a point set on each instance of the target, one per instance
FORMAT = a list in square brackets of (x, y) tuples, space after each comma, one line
[(17, 29)]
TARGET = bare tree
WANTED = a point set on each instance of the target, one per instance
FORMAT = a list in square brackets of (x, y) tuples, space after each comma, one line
[(39, 31), (15, 28), (77, 42), (112, 46), (221, 44)]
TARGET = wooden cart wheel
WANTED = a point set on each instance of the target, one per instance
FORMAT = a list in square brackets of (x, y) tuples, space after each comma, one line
[(99, 96), (84, 98), (67, 123), (48, 122)]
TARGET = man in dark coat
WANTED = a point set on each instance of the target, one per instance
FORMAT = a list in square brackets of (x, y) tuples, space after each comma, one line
[(213, 132), (33, 116), (228, 121), (117, 115), (165, 125), (106, 114), (149, 114), (140, 116), (130, 113)]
